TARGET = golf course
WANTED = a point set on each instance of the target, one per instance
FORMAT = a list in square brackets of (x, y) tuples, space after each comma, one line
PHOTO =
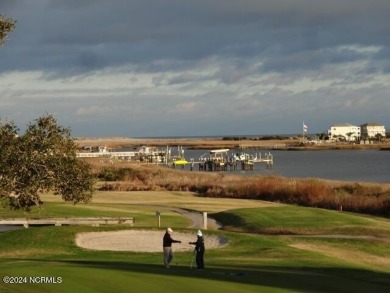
[(270, 247)]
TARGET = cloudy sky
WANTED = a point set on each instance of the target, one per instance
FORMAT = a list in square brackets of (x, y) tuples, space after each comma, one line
[(196, 67)]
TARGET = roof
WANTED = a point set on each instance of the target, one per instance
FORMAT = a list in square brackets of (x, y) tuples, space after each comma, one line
[(343, 125), (372, 124)]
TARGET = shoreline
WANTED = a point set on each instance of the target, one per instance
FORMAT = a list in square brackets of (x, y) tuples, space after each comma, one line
[(212, 143)]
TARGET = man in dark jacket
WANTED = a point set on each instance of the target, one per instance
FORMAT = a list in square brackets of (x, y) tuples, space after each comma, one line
[(167, 247), (199, 249)]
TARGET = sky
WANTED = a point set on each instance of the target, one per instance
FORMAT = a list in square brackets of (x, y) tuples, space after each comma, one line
[(155, 68)]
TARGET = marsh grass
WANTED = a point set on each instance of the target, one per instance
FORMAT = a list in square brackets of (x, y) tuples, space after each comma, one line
[(371, 199)]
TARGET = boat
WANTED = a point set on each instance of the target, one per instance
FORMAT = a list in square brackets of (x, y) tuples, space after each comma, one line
[(219, 151), (180, 162)]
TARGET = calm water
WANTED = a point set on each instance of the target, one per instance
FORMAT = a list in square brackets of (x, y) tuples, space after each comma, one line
[(364, 165), (7, 228)]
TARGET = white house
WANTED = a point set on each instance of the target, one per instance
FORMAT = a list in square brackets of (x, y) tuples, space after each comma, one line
[(344, 131), (372, 130)]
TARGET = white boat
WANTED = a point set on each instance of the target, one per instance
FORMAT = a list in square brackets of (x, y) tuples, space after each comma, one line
[(219, 151)]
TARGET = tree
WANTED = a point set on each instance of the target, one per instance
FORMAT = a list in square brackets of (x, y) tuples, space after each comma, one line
[(365, 137), (349, 134), (379, 137), (6, 26), (323, 136), (42, 159)]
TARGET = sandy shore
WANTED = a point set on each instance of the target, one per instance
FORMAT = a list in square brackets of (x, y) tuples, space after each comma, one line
[(142, 240)]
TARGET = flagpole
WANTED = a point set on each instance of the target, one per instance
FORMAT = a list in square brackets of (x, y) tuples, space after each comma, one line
[(304, 129)]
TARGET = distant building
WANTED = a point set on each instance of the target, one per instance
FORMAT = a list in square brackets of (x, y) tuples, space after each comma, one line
[(372, 130), (344, 132)]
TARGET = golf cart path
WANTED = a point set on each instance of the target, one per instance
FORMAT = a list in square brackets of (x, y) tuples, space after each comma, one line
[(197, 219)]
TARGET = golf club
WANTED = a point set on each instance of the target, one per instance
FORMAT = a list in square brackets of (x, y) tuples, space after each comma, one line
[(192, 261)]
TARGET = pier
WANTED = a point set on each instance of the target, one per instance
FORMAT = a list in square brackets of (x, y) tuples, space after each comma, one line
[(214, 160), (219, 160)]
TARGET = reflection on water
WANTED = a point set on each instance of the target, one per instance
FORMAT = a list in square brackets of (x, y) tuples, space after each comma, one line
[(7, 228), (357, 165)]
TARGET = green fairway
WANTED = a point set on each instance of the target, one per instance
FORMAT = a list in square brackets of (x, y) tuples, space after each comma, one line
[(251, 262), (299, 220)]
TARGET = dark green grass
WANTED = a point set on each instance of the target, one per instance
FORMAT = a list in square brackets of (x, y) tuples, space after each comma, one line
[(111, 276), (251, 262)]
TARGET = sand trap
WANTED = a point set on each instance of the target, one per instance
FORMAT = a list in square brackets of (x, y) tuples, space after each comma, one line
[(142, 240)]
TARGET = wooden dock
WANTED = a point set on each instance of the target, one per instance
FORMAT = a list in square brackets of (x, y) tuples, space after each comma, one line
[(218, 160), (90, 221), (214, 160)]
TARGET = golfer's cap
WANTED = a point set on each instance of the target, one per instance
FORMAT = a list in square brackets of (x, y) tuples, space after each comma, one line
[(169, 230), (199, 233)]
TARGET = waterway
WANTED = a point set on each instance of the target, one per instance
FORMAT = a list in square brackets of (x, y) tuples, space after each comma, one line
[(350, 165)]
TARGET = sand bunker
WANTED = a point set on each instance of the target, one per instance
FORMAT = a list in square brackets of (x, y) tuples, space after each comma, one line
[(142, 240)]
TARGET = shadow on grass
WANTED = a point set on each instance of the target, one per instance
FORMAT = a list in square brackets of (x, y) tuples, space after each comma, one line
[(301, 279)]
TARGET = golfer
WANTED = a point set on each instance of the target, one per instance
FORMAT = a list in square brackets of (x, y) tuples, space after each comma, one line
[(199, 249), (167, 247)]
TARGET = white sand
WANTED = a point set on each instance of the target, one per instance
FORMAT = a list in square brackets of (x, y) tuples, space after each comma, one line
[(142, 240)]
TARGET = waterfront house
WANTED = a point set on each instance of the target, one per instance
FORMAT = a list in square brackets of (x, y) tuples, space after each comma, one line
[(372, 131), (344, 132)]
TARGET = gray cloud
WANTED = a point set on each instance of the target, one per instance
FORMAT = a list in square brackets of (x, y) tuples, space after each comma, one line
[(86, 35), (186, 55)]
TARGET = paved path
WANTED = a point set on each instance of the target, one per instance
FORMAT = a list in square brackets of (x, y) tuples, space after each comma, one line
[(197, 220)]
